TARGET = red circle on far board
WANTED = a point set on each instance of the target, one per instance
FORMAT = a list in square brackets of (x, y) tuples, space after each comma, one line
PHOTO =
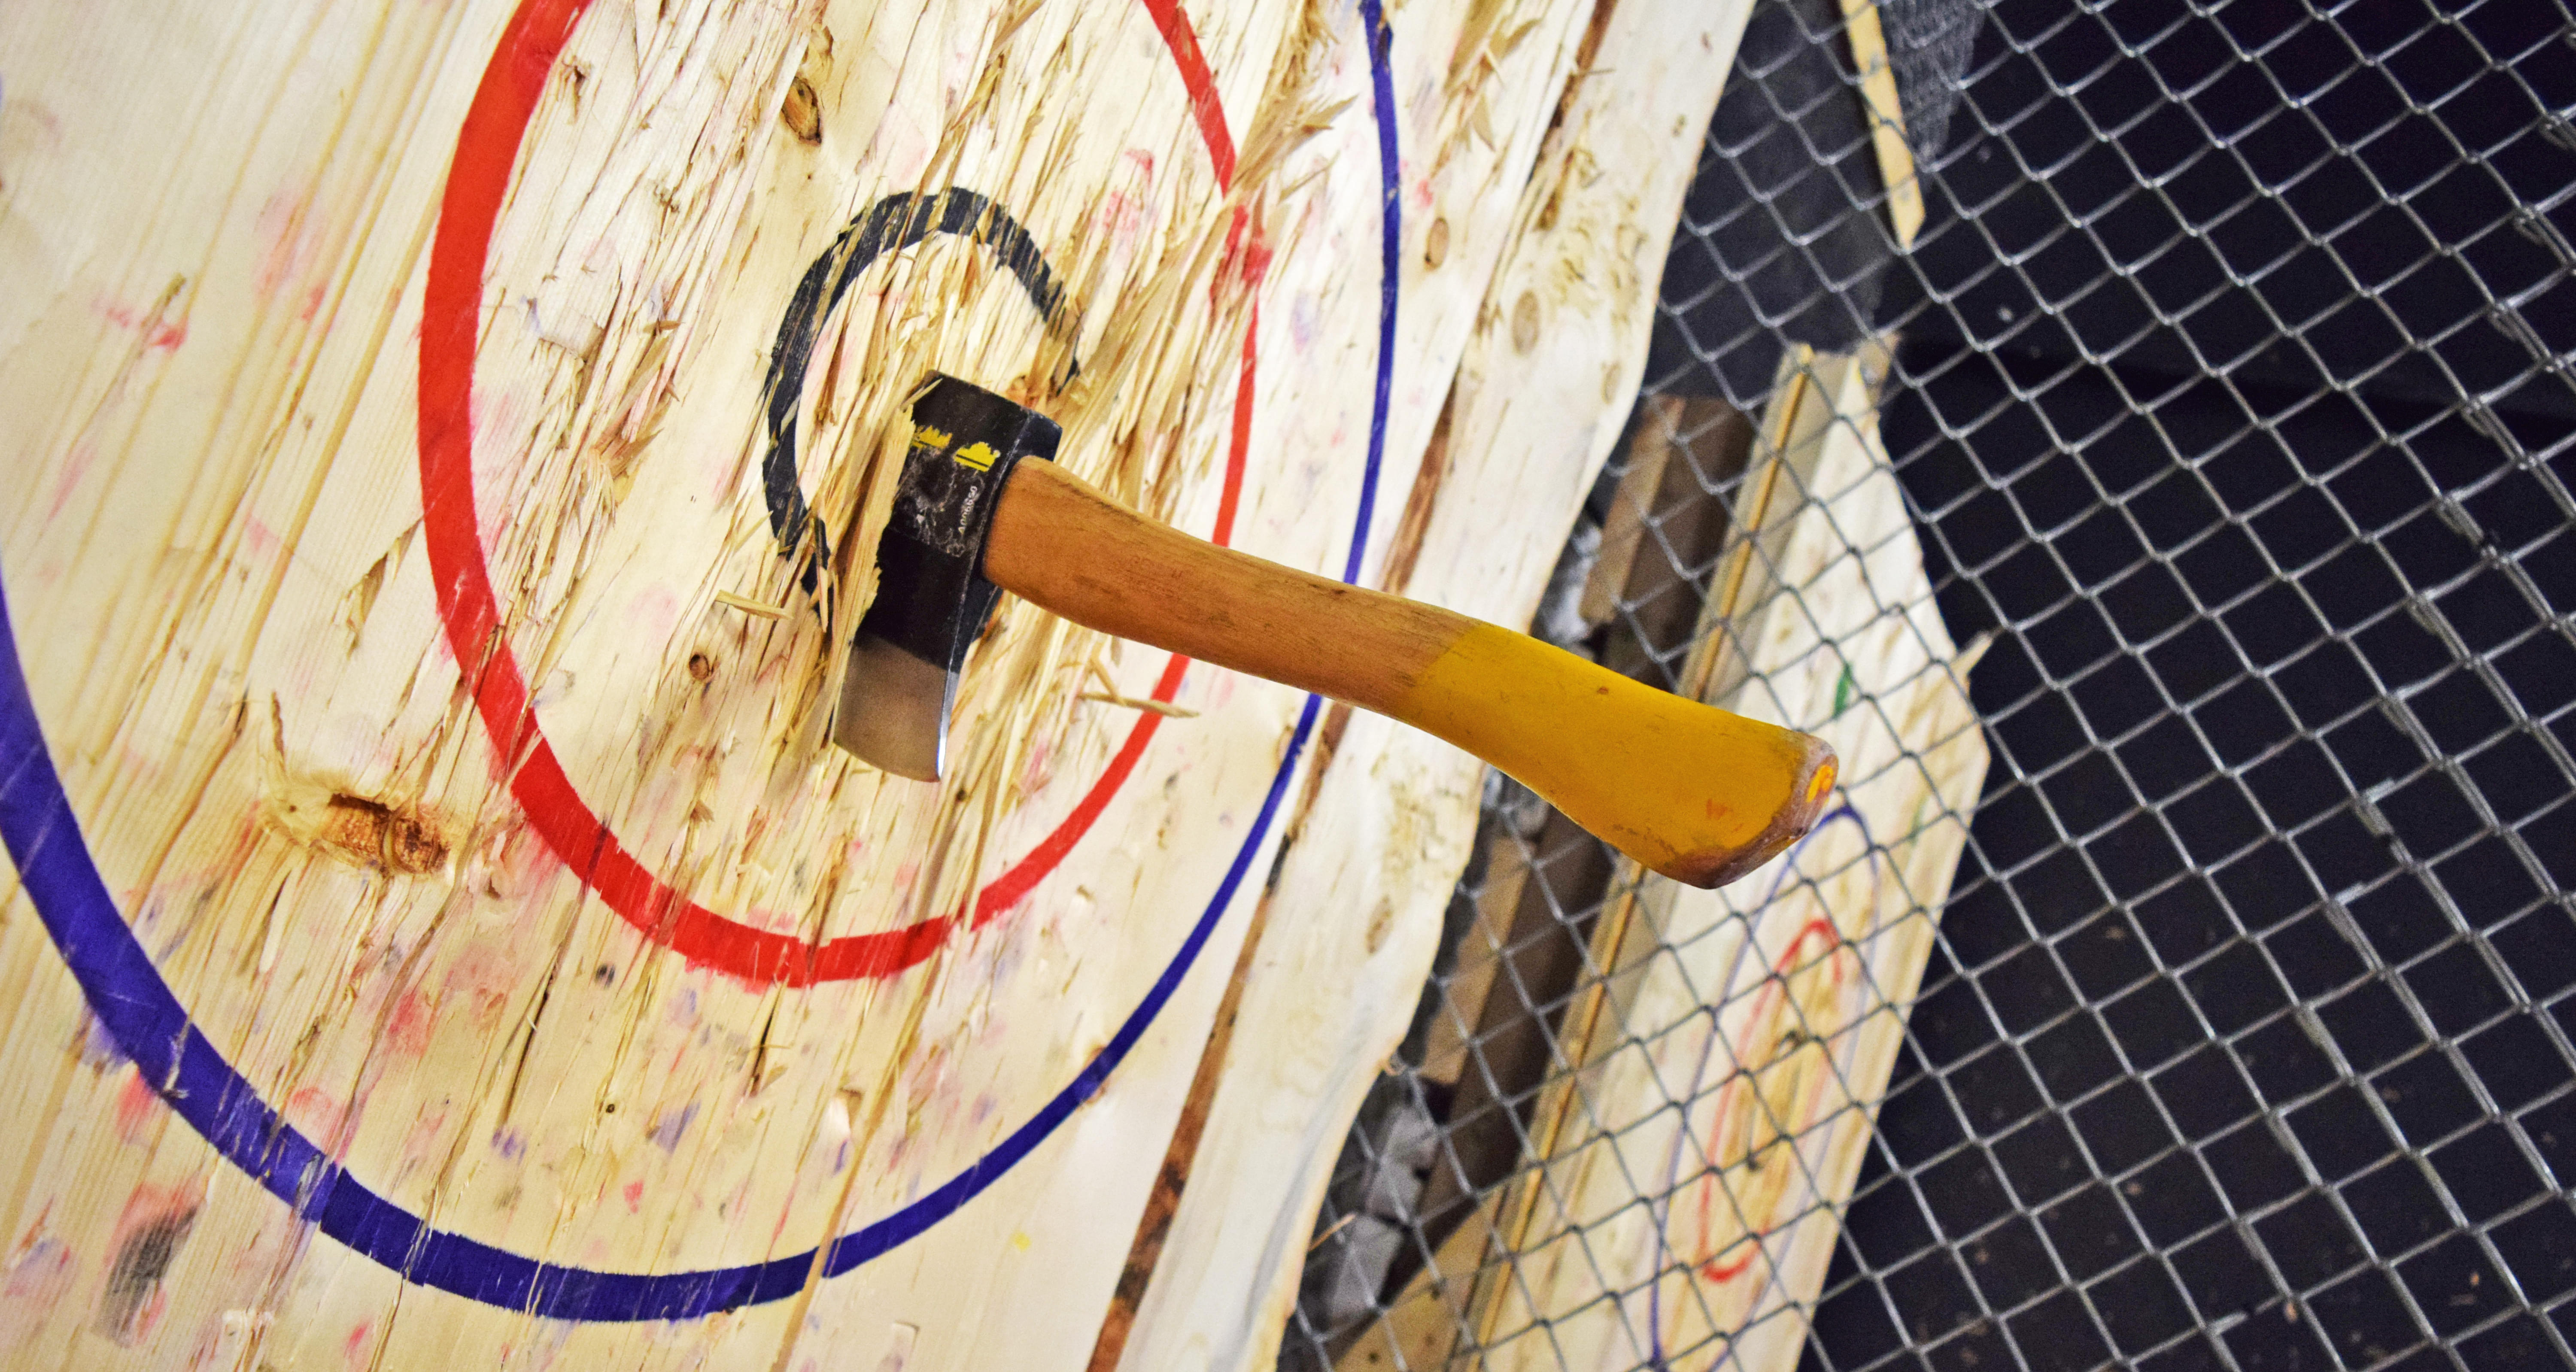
[(487, 150), (1747, 1246)]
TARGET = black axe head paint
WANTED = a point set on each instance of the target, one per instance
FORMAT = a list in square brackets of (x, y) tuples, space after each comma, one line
[(932, 599)]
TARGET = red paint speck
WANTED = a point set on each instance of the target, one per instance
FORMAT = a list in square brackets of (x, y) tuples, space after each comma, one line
[(633, 1191), (134, 1102), (483, 976), (280, 227), (1714, 1270), (1120, 216), (408, 1031), (318, 1117), (82, 455), (1040, 768), (165, 334)]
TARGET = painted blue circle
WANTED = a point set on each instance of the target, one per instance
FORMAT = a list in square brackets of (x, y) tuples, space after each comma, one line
[(138, 1010)]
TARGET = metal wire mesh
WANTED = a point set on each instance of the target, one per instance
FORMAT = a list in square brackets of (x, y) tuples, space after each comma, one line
[(2231, 395)]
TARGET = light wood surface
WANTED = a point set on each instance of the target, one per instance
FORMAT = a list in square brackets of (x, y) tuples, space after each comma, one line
[(1212, 1271), (1688, 790)]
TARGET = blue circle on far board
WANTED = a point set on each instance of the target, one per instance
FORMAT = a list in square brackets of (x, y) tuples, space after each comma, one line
[(138, 1010)]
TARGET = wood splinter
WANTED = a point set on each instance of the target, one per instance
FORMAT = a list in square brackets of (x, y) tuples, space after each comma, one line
[(1161, 707), (1108, 695), (748, 606)]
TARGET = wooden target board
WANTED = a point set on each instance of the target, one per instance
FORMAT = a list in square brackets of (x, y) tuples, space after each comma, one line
[(444, 446)]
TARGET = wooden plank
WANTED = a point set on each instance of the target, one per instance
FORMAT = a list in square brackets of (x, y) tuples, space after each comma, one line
[(1656, 511), (1668, 520), (1554, 358), (1867, 39), (1731, 1060), (392, 558)]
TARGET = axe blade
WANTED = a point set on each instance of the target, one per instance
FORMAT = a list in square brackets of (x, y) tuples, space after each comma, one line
[(894, 710)]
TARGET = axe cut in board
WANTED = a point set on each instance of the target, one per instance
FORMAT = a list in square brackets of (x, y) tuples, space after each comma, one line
[(1694, 792)]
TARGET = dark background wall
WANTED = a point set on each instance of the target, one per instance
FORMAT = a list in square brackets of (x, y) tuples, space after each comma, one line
[(2235, 395)]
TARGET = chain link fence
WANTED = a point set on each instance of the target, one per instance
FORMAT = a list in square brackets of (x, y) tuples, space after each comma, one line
[(2228, 387)]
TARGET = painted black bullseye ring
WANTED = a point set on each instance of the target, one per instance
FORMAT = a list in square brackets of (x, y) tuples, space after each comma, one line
[(897, 222)]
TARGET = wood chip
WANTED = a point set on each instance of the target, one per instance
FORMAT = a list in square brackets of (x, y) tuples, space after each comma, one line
[(1161, 707), (749, 606)]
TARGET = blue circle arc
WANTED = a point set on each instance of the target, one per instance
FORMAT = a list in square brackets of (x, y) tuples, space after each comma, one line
[(139, 1011)]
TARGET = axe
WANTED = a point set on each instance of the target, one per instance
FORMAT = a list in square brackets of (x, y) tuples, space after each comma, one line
[(1691, 791)]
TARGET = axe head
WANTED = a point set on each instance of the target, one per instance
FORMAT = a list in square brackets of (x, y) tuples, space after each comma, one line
[(932, 599)]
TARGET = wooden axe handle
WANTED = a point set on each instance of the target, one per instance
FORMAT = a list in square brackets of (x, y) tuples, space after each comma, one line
[(1694, 792)]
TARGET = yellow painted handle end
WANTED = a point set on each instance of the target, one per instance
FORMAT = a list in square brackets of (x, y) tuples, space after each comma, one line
[(1689, 790)]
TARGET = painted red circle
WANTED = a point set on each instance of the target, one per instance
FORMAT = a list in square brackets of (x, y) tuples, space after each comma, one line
[(487, 149), (1773, 988)]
